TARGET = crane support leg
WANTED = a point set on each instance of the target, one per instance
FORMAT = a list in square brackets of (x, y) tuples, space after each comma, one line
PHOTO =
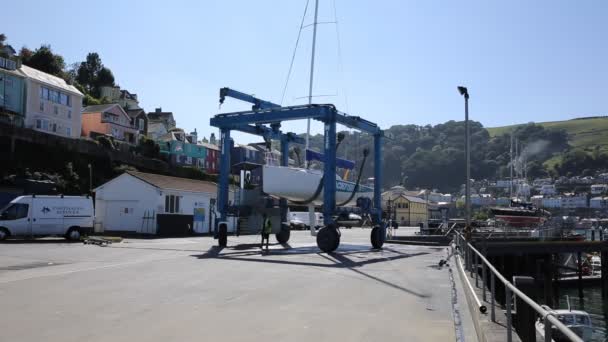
[(220, 233), (378, 234), (284, 232), (328, 237)]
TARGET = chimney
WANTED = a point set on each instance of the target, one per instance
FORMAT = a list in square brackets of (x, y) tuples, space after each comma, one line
[(159, 110)]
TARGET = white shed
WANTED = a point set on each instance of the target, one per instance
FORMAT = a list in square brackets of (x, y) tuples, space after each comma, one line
[(145, 203)]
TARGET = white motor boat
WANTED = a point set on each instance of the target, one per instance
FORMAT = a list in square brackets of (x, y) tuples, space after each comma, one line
[(298, 184), (578, 321)]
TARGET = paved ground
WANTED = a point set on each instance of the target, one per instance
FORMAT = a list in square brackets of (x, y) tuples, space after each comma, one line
[(186, 289)]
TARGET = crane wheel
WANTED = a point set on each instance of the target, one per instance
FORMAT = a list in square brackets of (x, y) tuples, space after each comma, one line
[(376, 237), (328, 238), (283, 235)]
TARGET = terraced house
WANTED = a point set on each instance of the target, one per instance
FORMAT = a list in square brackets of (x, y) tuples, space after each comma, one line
[(109, 120), (12, 92), (51, 105)]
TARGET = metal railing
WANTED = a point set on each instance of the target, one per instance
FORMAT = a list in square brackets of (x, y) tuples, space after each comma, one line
[(472, 258)]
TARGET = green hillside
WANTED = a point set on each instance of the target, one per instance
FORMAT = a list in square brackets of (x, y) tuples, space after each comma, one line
[(583, 133)]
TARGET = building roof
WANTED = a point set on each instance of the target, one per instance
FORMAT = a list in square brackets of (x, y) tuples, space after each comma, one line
[(160, 115), (49, 79), (414, 199), (98, 108), (175, 183), (392, 195), (135, 112), (210, 146)]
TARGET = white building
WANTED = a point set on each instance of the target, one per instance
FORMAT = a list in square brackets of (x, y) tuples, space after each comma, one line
[(598, 202), (503, 201), (537, 200), (503, 183), (598, 189), (482, 200), (552, 202), (146, 203), (548, 190), (52, 106), (573, 201), (541, 181)]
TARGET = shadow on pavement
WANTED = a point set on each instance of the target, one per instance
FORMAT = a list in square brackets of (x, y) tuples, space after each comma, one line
[(342, 258)]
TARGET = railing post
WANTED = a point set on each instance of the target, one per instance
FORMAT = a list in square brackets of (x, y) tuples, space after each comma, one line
[(548, 330), (476, 270), (483, 280), (509, 316), (493, 294), (471, 259)]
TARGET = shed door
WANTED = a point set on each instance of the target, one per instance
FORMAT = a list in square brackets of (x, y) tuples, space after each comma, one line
[(123, 216)]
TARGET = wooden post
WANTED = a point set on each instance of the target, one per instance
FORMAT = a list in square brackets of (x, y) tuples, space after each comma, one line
[(580, 275), (555, 271), (604, 260), (525, 316), (548, 277)]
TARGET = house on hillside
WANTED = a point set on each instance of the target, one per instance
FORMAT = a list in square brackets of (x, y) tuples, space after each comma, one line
[(110, 120), (159, 123), (212, 159), (145, 203), (573, 201), (126, 99), (599, 203), (12, 92), (598, 189), (51, 105), (182, 149), (139, 120)]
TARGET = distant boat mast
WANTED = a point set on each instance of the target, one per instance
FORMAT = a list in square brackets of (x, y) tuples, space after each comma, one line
[(312, 73)]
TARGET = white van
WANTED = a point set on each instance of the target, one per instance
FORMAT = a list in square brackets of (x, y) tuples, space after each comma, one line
[(68, 216), (299, 220)]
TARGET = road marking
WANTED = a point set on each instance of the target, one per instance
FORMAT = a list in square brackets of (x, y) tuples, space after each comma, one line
[(85, 269)]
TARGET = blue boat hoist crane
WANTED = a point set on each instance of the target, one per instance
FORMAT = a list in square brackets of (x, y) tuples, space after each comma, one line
[(264, 119)]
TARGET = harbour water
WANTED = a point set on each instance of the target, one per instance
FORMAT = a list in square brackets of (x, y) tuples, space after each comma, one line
[(593, 304)]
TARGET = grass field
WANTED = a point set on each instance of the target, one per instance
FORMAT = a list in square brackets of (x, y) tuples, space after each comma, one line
[(583, 133)]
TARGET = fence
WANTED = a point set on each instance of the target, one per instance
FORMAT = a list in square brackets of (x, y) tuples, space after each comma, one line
[(472, 258)]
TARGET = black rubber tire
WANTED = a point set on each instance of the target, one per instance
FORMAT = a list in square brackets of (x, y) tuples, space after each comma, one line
[(328, 239), (377, 238), (222, 236), (71, 236), (4, 234), (284, 234)]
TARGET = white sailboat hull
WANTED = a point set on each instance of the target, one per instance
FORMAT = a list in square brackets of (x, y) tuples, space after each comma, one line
[(297, 184)]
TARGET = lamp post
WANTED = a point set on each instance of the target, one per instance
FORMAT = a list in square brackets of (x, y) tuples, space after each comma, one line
[(467, 150), (90, 178)]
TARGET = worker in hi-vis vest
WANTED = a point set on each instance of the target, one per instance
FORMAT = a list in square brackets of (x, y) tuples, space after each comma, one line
[(266, 230)]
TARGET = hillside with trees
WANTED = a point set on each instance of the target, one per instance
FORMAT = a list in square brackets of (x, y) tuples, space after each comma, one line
[(433, 156)]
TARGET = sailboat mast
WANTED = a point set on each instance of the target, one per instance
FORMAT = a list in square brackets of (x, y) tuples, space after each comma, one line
[(312, 73), (511, 168)]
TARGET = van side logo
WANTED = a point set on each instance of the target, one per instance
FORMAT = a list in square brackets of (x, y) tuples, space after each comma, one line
[(45, 210)]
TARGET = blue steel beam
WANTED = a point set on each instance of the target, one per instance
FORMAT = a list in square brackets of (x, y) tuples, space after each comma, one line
[(329, 172), (257, 103), (222, 190), (284, 162), (266, 116), (272, 115), (378, 178), (270, 133)]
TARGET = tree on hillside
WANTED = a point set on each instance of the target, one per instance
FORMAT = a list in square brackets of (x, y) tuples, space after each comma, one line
[(44, 60), (92, 75)]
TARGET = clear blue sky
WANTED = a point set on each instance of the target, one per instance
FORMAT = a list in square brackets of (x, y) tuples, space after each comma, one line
[(402, 60)]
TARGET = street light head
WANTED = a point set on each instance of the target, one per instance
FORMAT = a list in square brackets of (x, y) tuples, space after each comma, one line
[(463, 91)]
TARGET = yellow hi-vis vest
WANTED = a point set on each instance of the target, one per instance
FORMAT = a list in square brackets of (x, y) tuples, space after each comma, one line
[(267, 226)]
